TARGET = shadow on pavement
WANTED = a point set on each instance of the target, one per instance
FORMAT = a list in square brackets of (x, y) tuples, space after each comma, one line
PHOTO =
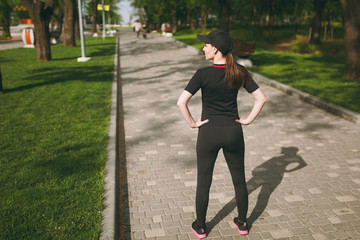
[(268, 177)]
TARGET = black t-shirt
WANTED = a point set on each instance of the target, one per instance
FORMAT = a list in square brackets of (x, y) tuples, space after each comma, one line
[(219, 101)]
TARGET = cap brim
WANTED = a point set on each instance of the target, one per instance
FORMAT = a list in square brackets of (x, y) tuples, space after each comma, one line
[(203, 38)]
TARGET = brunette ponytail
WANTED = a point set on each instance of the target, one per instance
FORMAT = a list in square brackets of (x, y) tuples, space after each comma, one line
[(235, 74)]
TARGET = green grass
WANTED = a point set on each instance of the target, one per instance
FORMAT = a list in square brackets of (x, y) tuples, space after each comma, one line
[(320, 76), (319, 72), (53, 138)]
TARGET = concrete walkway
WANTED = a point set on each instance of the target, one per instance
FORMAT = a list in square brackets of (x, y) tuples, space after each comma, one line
[(11, 44), (302, 164)]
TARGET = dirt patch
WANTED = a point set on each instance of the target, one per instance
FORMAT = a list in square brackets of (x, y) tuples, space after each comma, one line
[(281, 47)]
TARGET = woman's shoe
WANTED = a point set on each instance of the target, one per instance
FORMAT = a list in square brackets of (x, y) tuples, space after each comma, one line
[(241, 226), (198, 230)]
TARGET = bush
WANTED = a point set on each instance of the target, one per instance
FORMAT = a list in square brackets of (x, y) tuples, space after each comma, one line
[(326, 48)]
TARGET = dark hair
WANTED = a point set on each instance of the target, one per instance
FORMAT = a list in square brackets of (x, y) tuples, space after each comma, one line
[(235, 74)]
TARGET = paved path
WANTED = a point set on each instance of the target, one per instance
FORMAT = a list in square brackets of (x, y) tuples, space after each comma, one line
[(302, 164), (11, 44)]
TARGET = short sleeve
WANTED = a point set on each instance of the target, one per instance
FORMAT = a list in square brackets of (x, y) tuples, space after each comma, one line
[(194, 84), (250, 85)]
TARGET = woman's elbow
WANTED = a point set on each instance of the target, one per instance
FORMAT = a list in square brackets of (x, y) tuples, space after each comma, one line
[(261, 100), (180, 104), (264, 100)]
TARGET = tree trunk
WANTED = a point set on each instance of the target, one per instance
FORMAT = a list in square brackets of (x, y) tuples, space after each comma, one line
[(254, 18), (191, 20), (225, 15), (203, 18), (351, 9), (77, 26), (296, 16), (94, 16), (316, 21), (6, 20), (40, 13), (332, 28), (174, 17), (1, 86), (69, 23)]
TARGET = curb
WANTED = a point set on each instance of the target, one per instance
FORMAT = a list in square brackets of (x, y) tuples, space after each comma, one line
[(108, 217), (327, 106)]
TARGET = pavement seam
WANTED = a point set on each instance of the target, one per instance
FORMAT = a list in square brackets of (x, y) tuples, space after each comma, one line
[(324, 105)]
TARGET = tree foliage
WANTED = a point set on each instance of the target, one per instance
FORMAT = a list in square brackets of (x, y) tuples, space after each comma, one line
[(318, 15), (226, 13), (91, 11), (6, 7)]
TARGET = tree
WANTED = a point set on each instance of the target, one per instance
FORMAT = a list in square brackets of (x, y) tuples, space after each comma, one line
[(90, 9), (94, 16), (225, 14), (5, 11), (156, 12), (58, 17), (69, 23), (191, 13), (316, 22), (351, 10), (40, 13), (172, 5), (1, 86), (204, 14), (301, 8)]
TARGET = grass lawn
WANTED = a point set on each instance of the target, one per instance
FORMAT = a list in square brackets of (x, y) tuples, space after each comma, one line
[(53, 137), (315, 70)]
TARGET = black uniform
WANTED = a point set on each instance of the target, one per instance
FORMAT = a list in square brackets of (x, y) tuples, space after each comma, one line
[(219, 106)]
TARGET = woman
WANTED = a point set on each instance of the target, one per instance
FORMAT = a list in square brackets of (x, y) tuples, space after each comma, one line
[(220, 124)]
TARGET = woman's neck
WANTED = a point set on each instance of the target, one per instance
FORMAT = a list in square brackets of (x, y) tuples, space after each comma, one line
[(219, 59)]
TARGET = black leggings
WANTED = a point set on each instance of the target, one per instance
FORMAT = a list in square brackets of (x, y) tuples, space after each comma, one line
[(210, 140)]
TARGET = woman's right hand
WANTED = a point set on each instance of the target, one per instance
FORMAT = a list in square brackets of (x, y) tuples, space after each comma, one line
[(199, 123)]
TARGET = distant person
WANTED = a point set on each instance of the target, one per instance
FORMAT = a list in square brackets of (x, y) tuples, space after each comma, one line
[(163, 27), (137, 27), (220, 124), (146, 29)]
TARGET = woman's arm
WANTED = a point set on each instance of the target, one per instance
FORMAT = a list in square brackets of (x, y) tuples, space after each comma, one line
[(184, 110), (260, 100)]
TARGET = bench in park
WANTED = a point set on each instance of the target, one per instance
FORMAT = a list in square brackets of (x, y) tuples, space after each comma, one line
[(168, 29), (55, 37), (242, 50)]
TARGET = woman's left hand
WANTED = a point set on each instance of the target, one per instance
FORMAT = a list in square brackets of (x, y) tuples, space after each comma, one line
[(243, 121)]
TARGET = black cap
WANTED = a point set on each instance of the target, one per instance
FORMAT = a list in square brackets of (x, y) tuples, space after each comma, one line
[(219, 39)]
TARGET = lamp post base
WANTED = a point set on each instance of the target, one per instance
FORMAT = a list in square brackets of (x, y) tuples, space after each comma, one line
[(83, 59)]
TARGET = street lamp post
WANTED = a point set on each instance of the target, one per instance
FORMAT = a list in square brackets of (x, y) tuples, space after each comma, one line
[(103, 18), (83, 58)]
